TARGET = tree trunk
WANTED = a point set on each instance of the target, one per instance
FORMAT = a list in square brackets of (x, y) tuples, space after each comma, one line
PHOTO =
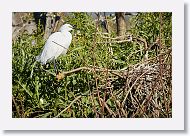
[(121, 23), (22, 22), (50, 22), (59, 21)]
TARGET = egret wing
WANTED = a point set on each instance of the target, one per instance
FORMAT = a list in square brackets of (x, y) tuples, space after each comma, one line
[(56, 45)]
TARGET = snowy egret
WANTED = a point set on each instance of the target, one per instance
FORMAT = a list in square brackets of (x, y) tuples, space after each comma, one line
[(57, 44)]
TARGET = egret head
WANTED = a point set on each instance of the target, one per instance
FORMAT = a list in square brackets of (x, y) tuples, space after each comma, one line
[(66, 27)]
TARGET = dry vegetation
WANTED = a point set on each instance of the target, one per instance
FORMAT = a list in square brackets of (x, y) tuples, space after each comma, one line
[(102, 75)]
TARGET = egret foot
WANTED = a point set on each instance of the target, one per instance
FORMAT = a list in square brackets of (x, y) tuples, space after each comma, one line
[(59, 76)]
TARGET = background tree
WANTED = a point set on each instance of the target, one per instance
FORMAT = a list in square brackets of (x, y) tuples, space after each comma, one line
[(121, 23), (22, 22), (50, 23)]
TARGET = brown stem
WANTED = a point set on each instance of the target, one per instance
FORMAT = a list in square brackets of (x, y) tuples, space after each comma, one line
[(107, 107), (17, 108), (161, 61), (94, 62), (68, 106)]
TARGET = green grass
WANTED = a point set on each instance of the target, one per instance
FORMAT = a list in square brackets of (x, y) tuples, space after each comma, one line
[(87, 93)]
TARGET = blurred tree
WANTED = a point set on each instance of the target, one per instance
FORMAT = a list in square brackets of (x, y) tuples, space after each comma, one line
[(22, 22), (121, 23), (54, 20), (59, 20), (50, 23)]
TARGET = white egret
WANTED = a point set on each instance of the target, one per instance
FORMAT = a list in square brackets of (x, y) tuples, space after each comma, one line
[(57, 44)]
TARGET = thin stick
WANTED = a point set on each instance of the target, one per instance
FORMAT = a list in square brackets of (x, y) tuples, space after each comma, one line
[(107, 107), (161, 62), (94, 68), (121, 41), (94, 63), (17, 109), (117, 40), (68, 106), (132, 87)]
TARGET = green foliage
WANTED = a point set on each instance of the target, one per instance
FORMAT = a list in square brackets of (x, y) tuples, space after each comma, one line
[(42, 92), (147, 25), (37, 93)]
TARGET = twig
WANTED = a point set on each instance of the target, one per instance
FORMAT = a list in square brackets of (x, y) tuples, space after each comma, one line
[(114, 72), (132, 87), (148, 99), (85, 68), (68, 106), (94, 68), (54, 74), (169, 51), (114, 38), (94, 62), (17, 109), (160, 47), (121, 41), (93, 104), (107, 107), (126, 40), (22, 107), (121, 108), (161, 61)]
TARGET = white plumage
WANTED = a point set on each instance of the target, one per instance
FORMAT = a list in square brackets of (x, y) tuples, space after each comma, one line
[(57, 44)]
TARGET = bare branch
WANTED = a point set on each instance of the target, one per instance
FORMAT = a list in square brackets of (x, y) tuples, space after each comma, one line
[(68, 106), (107, 107)]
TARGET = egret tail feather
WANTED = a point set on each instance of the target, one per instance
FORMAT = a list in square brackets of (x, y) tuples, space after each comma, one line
[(38, 58)]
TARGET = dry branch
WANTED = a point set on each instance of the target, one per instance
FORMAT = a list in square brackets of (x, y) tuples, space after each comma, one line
[(107, 107), (118, 40), (97, 69), (16, 107), (68, 106), (132, 87)]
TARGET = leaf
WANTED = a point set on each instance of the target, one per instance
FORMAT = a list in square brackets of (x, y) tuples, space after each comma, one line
[(109, 102), (44, 115), (83, 99), (74, 82), (31, 74), (78, 48), (119, 61), (24, 87)]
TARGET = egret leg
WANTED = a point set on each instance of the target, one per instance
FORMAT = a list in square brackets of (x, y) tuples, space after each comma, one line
[(55, 67)]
